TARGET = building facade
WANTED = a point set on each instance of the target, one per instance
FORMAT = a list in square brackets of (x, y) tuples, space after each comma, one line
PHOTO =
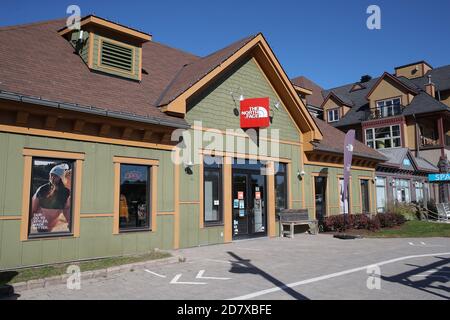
[(405, 116), (113, 144)]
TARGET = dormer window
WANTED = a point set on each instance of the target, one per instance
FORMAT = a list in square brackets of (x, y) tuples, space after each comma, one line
[(333, 115), (108, 47)]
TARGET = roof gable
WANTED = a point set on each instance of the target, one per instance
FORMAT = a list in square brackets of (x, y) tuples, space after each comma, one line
[(338, 99), (193, 79), (394, 81)]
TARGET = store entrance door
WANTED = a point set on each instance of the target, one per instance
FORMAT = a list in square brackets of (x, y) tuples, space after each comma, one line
[(249, 208)]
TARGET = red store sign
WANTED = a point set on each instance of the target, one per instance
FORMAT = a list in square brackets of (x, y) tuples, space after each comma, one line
[(254, 113)]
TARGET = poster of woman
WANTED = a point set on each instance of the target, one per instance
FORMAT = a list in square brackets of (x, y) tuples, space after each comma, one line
[(51, 196)]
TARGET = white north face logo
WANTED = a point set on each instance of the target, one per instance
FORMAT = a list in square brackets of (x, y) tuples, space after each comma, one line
[(255, 112)]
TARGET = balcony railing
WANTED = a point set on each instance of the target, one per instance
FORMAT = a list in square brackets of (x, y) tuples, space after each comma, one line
[(429, 142), (384, 112)]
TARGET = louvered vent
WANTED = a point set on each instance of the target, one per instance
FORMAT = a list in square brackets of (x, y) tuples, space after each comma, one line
[(116, 56)]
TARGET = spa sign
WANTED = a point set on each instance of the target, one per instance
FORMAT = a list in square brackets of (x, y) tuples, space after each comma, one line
[(254, 113)]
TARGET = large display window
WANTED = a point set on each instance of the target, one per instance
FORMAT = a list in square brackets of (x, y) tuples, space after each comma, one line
[(212, 188), (134, 201)]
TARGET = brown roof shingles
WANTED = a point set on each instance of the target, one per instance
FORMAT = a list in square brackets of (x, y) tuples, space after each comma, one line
[(333, 141), (196, 70), (316, 98), (36, 61)]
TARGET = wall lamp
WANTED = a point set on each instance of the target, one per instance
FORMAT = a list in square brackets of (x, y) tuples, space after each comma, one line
[(301, 174), (188, 167), (236, 104)]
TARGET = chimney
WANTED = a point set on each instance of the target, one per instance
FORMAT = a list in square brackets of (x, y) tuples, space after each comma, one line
[(430, 88)]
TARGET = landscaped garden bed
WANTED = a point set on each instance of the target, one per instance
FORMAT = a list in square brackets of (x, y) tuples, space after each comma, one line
[(382, 225)]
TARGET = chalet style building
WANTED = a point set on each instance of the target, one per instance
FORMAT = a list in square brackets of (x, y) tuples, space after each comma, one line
[(404, 116), (89, 131)]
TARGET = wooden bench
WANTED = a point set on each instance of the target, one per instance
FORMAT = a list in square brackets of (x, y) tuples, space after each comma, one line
[(295, 217)]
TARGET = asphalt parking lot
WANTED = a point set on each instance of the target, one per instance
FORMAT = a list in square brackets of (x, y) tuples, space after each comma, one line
[(306, 267)]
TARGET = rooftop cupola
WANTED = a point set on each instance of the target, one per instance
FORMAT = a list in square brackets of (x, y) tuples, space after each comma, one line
[(413, 70), (108, 47)]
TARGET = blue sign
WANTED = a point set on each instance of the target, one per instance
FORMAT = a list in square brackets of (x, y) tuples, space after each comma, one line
[(438, 177)]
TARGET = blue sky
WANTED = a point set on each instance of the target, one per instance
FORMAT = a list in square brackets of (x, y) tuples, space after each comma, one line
[(327, 41)]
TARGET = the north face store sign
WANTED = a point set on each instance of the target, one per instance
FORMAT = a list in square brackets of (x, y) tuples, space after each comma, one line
[(254, 113)]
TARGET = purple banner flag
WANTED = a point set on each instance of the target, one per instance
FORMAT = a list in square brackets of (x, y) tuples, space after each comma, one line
[(348, 153)]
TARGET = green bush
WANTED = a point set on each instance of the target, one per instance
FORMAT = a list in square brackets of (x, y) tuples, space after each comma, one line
[(408, 211)]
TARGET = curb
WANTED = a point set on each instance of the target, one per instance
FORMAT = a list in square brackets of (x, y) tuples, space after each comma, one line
[(18, 287)]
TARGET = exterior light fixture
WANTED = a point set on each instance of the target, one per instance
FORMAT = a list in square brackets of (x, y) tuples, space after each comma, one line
[(277, 105), (188, 167), (301, 174)]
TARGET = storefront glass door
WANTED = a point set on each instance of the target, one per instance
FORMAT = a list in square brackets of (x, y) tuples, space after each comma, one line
[(320, 187), (249, 210)]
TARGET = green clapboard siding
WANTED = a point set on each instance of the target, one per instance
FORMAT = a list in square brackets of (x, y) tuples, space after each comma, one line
[(96, 238), (215, 106), (333, 187)]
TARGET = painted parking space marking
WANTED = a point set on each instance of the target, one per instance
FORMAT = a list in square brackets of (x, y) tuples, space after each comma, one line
[(155, 274), (200, 276), (333, 275), (178, 276), (423, 244), (249, 249)]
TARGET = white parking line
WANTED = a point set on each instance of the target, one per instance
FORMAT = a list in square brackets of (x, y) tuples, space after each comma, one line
[(250, 249), (202, 272), (333, 275), (178, 276), (156, 274)]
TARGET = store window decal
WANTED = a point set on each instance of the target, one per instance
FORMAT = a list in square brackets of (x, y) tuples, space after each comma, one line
[(51, 197)]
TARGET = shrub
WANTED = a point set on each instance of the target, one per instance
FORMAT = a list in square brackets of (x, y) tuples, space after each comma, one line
[(334, 223), (389, 220), (409, 211), (360, 221), (374, 224)]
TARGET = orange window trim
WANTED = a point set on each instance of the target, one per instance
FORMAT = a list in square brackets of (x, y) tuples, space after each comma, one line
[(26, 187)]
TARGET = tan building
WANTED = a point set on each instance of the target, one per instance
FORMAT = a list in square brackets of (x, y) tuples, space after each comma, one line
[(405, 116)]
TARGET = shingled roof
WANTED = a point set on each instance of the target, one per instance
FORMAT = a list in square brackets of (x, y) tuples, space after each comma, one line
[(196, 70), (333, 141), (422, 102), (315, 99), (395, 158), (35, 61)]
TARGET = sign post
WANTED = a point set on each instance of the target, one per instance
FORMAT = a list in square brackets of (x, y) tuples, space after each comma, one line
[(348, 154)]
